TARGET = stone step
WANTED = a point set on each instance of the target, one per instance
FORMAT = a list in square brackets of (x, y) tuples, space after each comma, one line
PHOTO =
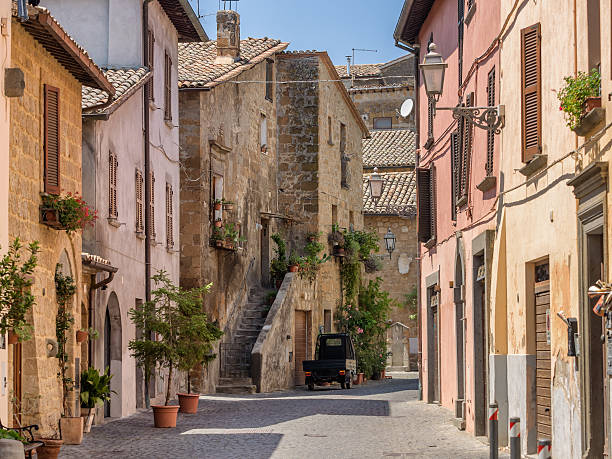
[(250, 326), (236, 389), (238, 380)]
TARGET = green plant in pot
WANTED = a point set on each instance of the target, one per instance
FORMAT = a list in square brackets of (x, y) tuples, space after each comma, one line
[(95, 390), (577, 94), (294, 262), (69, 212), (278, 265), (71, 427), (184, 336), (15, 296)]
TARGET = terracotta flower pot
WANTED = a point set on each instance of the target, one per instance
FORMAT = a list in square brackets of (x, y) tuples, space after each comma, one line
[(219, 243), (81, 336), (50, 449), (165, 416), (339, 251), (12, 337), (72, 430), (358, 379), (218, 223), (218, 206), (591, 102), (188, 403), (293, 268)]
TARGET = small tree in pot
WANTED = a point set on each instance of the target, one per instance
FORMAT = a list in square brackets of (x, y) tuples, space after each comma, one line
[(95, 390), (176, 317)]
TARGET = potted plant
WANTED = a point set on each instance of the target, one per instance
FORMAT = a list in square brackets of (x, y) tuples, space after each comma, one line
[(278, 265), (71, 427), (217, 237), (69, 212), (218, 204), (95, 390), (293, 262), (313, 237), (15, 296), (82, 335), (579, 96), (336, 239), (231, 235), (184, 335), (228, 205), (218, 223), (11, 444)]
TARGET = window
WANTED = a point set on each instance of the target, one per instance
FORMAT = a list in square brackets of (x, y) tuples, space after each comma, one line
[(490, 134), (342, 138), (351, 220), (168, 88), (344, 159), (426, 204), (330, 139), (139, 202), (466, 130), (455, 162), (334, 215), (269, 78), (151, 62), (112, 185), (152, 205), (169, 216), (327, 321), (52, 140), (531, 92), (383, 123), (217, 194), (263, 134)]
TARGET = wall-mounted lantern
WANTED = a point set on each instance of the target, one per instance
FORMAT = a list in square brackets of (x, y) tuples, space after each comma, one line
[(376, 184), (390, 242)]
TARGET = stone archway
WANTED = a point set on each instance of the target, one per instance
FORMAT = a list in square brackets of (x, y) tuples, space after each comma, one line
[(113, 354)]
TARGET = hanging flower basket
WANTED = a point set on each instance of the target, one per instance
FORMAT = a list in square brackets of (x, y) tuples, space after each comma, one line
[(70, 212)]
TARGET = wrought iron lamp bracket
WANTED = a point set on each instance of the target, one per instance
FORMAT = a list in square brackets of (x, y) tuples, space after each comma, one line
[(487, 118)]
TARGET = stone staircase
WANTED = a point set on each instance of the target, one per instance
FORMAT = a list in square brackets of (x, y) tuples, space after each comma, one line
[(236, 355)]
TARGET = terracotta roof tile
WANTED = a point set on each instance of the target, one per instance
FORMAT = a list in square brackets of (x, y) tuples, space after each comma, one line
[(389, 148), (197, 66), (398, 196), (123, 80), (360, 70)]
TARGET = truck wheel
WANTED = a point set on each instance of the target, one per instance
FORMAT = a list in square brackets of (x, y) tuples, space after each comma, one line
[(310, 386)]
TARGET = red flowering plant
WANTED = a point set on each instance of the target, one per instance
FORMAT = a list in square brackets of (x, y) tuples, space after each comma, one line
[(73, 212)]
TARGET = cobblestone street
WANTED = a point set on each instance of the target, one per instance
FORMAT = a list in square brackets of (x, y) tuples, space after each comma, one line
[(379, 419)]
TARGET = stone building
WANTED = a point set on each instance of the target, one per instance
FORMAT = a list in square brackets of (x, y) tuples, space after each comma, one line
[(45, 158), (457, 186), (378, 91), (392, 153), (5, 50), (131, 171)]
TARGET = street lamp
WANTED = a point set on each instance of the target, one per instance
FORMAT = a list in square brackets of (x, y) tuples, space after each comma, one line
[(390, 242), (376, 184), (433, 68)]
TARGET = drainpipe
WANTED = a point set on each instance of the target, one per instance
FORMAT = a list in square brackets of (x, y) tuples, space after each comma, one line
[(147, 167), (415, 50)]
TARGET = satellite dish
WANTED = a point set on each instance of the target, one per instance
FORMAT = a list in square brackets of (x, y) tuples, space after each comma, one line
[(406, 108)]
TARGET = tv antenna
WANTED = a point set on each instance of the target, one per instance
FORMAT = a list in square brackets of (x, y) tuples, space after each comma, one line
[(225, 2), (363, 50)]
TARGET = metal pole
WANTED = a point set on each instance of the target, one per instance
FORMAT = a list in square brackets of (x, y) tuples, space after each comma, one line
[(515, 438), (544, 448), (493, 431)]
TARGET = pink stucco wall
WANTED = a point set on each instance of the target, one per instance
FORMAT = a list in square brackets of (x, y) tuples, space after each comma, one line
[(473, 218)]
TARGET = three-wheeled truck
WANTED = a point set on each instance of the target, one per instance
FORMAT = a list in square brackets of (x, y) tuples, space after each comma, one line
[(334, 361)]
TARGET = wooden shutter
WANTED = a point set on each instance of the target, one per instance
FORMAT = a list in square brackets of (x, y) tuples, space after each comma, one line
[(139, 202), (168, 88), (455, 162), (490, 134), (52, 140), (112, 185), (151, 58), (424, 210), (466, 149), (432, 201), (152, 206), (531, 98), (169, 217)]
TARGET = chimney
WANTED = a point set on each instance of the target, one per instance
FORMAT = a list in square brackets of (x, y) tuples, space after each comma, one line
[(228, 37)]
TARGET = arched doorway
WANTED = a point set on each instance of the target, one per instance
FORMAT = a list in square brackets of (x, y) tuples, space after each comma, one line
[(113, 354), (459, 300)]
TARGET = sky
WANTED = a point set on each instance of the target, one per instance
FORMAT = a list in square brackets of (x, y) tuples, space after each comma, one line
[(335, 26)]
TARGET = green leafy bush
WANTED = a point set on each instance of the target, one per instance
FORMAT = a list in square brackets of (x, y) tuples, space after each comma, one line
[(11, 435), (278, 265), (574, 94), (95, 387), (65, 288), (73, 212)]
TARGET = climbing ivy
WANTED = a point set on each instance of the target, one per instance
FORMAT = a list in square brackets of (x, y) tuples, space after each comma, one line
[(65, 289)]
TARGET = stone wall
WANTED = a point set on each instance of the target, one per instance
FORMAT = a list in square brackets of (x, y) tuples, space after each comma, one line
[(272, 362), (41, 389), (384, 103), (220, 136)]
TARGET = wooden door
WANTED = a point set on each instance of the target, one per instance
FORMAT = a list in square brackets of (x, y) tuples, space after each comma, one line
[(302, 343), (436, 372), (17, 349), (543, 380)]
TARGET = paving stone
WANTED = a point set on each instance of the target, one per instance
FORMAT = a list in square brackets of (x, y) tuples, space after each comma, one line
[(379, 419)]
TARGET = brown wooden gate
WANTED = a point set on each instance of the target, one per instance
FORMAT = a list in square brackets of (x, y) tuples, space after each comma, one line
[(543, 381), (302, 344)]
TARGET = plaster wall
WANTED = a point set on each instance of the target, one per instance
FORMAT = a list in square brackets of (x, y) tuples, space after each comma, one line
[(110, 30), (384, 103), (41, 401), (454, 238), (5, 53)]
